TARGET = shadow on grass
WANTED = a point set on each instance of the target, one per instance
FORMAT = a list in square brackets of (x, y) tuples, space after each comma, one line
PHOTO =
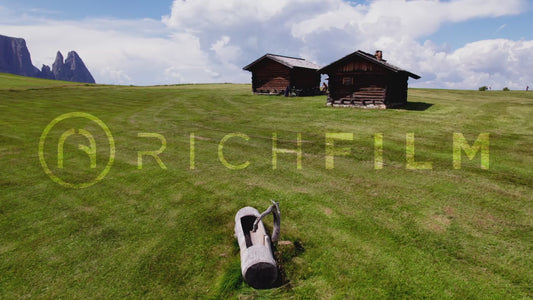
[(416, 106), (231, 283)]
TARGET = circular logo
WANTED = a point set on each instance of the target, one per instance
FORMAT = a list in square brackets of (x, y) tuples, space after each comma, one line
[(87, 116)]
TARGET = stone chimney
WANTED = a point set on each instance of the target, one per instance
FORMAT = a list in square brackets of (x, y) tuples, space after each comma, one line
[(379, 55)]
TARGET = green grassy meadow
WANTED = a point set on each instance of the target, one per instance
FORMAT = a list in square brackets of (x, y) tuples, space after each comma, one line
[(168, 233)]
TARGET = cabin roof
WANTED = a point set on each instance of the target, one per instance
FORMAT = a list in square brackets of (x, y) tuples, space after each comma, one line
[(290, 62), (370, 58)]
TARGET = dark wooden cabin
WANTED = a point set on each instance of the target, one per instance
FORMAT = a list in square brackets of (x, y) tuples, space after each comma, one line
[(365, 80), (272, 74)]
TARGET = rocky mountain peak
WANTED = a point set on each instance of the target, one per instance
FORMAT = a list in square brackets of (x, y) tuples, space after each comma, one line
[(72, 69), (15, 59)]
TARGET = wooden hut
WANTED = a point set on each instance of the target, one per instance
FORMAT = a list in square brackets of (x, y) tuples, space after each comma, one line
[(365, 80), (273, 74)]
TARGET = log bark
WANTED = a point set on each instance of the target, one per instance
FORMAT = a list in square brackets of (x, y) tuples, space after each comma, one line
[(258, 266)]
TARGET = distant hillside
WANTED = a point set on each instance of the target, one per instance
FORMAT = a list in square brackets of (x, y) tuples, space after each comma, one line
[(15, 58), (10, 81)]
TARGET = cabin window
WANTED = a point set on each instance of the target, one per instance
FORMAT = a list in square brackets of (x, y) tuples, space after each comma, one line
[(347, 80)]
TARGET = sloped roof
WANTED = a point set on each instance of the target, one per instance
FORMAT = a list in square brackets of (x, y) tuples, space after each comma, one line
[(291, 62), (371, 58)]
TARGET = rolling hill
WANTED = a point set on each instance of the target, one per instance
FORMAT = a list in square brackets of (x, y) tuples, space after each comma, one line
[(362, 229)]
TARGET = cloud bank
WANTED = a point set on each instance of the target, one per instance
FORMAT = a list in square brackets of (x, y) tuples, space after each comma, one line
[(210, 40)]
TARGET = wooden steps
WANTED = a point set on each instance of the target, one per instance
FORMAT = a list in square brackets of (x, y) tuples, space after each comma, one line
[(364, 97)]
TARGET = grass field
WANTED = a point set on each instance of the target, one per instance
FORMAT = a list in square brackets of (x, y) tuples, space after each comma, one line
[(168, 233)]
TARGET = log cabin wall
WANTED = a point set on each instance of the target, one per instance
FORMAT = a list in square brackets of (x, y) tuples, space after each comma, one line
[(305, 79), (364, 80), (270, 77), (358, 83), (273, 74), (363, 84), (397, 91)]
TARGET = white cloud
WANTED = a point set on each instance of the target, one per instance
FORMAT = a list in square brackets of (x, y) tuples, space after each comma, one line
[(324, 30), (225, 52), (210, 40), (117, 55), (393, 18), (204, 14), (501, 62)]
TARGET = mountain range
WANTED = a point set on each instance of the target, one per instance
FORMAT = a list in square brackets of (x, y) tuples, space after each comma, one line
[(15, 59)]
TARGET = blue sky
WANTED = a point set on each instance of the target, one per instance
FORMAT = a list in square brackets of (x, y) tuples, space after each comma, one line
[(455, 35), (452, 44), (67, 9), (514, 27)]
